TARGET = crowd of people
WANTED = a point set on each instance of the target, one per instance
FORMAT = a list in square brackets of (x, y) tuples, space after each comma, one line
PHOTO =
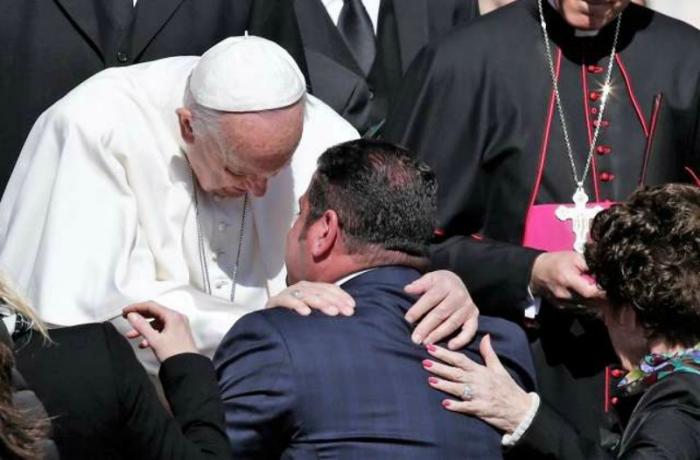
[(385, 229)]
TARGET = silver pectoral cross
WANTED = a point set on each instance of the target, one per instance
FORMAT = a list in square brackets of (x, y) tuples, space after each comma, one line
[(581, 217)]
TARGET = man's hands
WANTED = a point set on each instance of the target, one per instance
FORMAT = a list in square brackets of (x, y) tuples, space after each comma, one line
[(444, 307), (561, 277), (167, 334), (304, 296)]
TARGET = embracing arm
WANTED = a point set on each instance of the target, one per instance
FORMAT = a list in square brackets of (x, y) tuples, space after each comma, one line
[(197, 429)]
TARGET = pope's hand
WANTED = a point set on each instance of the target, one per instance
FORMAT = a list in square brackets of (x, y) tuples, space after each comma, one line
[(444, 307), (305, 296), (167, 333), (562, 277)]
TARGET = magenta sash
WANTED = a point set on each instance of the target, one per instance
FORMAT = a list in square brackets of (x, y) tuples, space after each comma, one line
[(544, 230)]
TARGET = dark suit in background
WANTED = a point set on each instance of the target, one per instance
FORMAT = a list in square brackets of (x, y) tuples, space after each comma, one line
[(298, 387), (47, 47), (404, 27)]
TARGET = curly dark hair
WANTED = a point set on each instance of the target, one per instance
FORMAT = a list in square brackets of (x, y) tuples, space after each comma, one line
[(645, 252)]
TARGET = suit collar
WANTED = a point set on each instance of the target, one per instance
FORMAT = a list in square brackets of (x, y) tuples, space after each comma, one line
[(319, 33), (412, 22), (396, 275), (84, 14), (150, 17)]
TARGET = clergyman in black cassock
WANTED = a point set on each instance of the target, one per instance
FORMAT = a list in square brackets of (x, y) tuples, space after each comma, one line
[(479, 107), (362, 95)]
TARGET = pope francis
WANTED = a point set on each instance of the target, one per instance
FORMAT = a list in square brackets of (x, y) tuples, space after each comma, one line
[(173, 181)]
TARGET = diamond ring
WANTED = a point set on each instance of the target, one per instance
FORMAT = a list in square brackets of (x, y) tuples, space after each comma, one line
[(296, 293), (467, 393)]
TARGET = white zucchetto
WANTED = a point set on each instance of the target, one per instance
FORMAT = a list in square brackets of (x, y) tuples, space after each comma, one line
[(246, 74)]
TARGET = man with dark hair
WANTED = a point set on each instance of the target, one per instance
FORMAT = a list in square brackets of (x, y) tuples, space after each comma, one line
[(353, 387)]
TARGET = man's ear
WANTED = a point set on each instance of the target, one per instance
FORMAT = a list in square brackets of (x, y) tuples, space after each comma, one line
[(323, 235), (184, 117)]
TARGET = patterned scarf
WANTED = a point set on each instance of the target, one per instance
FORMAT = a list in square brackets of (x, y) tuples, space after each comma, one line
[(655, 367)]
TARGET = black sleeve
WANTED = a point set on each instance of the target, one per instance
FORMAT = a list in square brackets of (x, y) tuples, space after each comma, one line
[(448, 114), (551, 436), (149, 432), (666, 433)]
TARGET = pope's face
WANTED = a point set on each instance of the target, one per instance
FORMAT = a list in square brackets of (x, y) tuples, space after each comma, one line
[(590, 14), (248, 150)]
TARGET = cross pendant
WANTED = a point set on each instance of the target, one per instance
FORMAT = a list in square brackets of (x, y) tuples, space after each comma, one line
[(580, 215)]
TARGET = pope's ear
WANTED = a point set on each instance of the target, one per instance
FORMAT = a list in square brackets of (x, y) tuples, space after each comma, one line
[(184, 117)]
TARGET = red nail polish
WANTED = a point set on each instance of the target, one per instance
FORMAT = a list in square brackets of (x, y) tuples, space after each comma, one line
[(432, 380), (427, 363), (445, 403), (430, 347)]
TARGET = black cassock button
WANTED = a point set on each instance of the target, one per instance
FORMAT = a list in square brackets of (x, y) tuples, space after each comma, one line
[(122, 57)]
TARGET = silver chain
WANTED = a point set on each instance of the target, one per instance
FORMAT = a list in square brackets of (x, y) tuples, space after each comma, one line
[(200, 242), (560, 109)]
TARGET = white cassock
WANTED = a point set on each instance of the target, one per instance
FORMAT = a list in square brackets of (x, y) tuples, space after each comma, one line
[(99, 211)]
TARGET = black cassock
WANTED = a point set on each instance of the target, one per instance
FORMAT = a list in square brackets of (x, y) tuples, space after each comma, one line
[(478, 106)]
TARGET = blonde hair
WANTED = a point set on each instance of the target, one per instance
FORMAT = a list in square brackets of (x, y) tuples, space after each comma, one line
[(17, 303)]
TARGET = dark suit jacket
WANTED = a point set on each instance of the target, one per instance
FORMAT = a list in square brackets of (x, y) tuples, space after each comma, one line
[(104, 406), (47, 47), (335, 76), (313, 387)]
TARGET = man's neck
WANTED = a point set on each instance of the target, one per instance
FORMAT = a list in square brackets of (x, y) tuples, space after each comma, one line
[(344, 265)]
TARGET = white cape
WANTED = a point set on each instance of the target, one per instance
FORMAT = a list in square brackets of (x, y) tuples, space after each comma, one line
[(99, 208)]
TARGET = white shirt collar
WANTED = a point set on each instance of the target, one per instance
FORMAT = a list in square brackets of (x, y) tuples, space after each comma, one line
[(372, 6), (577, 32), (347, 278)]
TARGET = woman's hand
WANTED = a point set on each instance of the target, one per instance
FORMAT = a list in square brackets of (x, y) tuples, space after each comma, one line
[(444, 307), (487, 392), (304, 296), (167, 333)]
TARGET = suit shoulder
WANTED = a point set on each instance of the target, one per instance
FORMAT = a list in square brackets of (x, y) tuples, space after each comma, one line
[(668, 37), (467, 47), (504, 329), (258, 325)]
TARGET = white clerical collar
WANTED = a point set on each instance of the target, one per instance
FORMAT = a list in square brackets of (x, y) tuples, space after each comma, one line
[(577, 32), (347, 278)]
